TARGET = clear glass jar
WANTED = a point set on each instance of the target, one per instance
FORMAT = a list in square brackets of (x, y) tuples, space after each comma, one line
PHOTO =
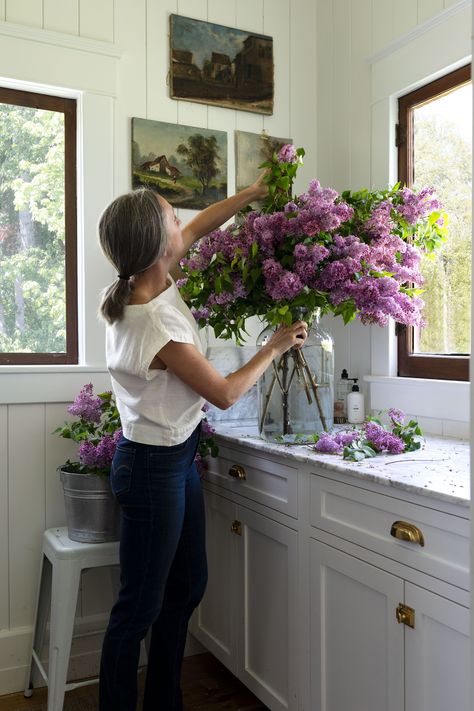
[(296, 393)]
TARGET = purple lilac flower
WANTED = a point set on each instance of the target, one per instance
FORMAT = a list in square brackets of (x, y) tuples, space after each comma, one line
[(326, 444), (86, 405), (201, 313), (287, 154), (99, 455), (393, 444), (206, 428), (201, 465), (287, 286), (381, 439), (396, 415), (380, 223), (416, 206), (346, 437)]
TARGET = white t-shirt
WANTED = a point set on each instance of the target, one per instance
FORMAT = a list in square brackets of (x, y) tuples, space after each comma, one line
[(155, 406)]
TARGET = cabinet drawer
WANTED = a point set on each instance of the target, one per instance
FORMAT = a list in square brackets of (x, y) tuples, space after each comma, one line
[(267, 482), (366, 518)]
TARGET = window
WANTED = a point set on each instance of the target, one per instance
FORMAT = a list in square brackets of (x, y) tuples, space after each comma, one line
[(435, 148), (38, 264)]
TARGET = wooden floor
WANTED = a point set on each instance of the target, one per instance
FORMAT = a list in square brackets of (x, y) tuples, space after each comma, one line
[(207, 686)]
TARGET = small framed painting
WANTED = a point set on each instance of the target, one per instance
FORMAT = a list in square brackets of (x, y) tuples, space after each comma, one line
[(224, 66), (252, 149), (187, 165)]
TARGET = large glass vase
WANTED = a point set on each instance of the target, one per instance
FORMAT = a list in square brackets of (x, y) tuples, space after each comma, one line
[(296, 393)]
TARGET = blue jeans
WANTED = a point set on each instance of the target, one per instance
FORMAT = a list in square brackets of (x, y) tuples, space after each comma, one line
[(163, 572)]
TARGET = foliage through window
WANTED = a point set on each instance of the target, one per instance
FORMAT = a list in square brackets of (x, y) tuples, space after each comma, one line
[(38, 290), (435, 148)]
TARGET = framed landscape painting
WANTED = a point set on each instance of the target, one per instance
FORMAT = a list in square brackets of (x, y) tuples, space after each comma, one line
[(252, 149), (214, 64), (187, 165)]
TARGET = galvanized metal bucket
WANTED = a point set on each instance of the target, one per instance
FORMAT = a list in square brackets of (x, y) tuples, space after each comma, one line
[(92, 513)]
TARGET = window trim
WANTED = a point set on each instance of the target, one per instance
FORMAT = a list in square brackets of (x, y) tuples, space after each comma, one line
[(444, 367), (68, 107)]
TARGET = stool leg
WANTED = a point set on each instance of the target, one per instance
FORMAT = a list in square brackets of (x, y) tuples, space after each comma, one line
[(41, 617), (66, 580)]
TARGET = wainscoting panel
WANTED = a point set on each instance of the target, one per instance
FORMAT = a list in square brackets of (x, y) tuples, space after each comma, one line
[(26, 507), (4, 535)]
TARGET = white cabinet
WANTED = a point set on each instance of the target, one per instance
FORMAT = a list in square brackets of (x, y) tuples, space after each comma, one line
[(248, 617), (356, 653), (379, 642), (313, 577), (437, 653)]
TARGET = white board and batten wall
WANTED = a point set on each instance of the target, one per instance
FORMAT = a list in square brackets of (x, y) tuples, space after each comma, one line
[(113, 56)]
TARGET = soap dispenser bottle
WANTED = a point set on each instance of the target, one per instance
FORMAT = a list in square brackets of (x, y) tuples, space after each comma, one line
[(355, 405), (340, 403)]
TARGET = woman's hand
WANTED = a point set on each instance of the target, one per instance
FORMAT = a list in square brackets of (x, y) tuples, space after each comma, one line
[(287, 337), (259, 188)]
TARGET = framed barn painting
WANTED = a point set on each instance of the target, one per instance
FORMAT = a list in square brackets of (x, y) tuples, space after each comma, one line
[(214, 64), (252, 149), (187, 165)]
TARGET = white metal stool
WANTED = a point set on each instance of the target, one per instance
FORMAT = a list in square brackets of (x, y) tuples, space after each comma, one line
[(62, 562)]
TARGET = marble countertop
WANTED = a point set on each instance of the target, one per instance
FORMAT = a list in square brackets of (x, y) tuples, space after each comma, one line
[(440, 469)]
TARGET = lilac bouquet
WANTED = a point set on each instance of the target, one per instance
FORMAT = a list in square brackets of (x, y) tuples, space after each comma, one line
[(374, 438), (350, 254), (98, 429)]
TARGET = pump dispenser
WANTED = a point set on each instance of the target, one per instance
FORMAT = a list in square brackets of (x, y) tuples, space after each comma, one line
[(340, 403), (355, 405)]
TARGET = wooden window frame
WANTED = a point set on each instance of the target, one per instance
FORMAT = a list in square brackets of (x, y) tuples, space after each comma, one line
[(68, 108), (414, 365)]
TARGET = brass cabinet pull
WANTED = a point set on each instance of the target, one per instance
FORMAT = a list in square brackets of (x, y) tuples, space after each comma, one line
[(236, 527), (407, 532), (237, 472), (405, 615)]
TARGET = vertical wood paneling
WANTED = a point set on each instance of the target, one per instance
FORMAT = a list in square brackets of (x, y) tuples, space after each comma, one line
[(57, 452), (222, 12), (382, 26), (4, 520), (96, 19), (159, 104), (404, 17), (429, 8), (24, 12), (249, 16), (360, 112), (26, 482), (276, 23), (61, 16), (131, 34), (304, 80), (2, 9), (325, 98), (342, 90)]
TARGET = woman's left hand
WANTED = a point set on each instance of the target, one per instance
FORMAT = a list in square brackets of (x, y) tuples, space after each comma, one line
[(259, 188)]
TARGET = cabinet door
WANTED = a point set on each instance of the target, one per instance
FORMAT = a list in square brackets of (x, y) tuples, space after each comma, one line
[(356, 645), (269, 610), (437, 653), (214, 622)]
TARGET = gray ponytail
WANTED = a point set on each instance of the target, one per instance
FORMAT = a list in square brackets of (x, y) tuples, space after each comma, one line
[(132, 237)]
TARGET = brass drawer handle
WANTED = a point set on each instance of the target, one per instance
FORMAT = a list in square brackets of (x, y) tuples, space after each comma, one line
[(237, 472), (407, 532)]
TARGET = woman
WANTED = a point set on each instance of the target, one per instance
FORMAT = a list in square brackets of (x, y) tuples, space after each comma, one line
[(161, 380)]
